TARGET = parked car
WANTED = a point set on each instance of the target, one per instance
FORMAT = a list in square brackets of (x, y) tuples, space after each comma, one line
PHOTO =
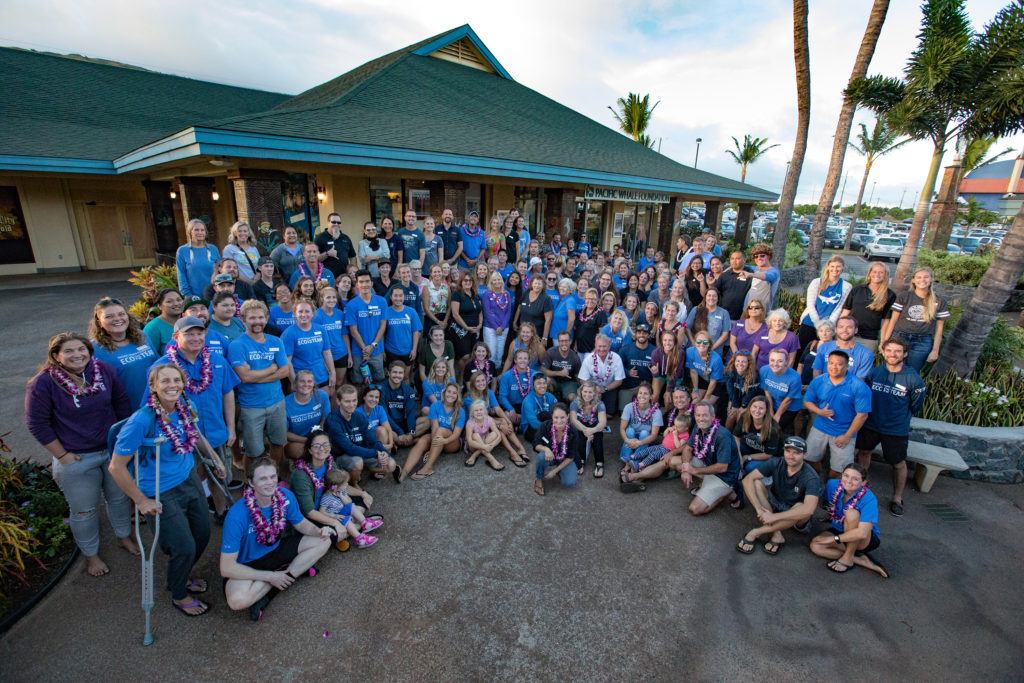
[(728, 230), (861, 236), (884, 248), (970, 245), (835, 238), (952, 249)]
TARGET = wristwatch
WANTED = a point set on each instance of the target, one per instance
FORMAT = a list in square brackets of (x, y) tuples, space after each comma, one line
[(835, 537)]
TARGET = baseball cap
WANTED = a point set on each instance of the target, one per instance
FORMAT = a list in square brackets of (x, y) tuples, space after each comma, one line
[(535, 262), (187, 323), (474, 212), (196, 301), (796, 443), (223, 277), (643, 327)]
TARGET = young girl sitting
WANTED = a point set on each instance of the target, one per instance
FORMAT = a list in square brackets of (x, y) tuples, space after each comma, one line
[(440, 375), (482, 435), (336, 502), (477, 388), (651, 462), (741, 384)]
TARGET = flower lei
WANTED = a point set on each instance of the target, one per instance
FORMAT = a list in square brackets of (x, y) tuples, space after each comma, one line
[(523, 390), (560, 448), (675, 411), (205, 369), (318, 482), (584, 318), (661, 327), (501, 300), (838, 511), (486, 369), (306, 271), (238, 305), (646, 416), (472, 233), (167, 429), (267, 533), (58, 375), (598, 377), (588, 421), (702, 446)]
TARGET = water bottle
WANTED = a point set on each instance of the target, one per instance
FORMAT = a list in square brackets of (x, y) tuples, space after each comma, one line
[(365, 370)]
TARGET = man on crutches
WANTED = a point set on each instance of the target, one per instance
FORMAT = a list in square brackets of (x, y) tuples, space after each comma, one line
[(181, 510)]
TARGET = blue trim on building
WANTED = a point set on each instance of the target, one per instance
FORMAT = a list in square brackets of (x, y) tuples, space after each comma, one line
[(11, 162), (464, 32), (204, 141)]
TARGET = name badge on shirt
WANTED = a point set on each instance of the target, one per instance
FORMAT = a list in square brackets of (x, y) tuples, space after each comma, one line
[(274, 348), (144, 347)]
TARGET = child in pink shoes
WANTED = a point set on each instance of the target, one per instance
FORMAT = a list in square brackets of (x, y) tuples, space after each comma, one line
[(335, 502)]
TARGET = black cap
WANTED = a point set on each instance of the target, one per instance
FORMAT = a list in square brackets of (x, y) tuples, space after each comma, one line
[(796, 443)]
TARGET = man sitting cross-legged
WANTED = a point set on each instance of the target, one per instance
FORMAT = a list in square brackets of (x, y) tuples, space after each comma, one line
[(788, 500)]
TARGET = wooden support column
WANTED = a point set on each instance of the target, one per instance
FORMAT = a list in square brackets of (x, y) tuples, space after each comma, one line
[(744, 216)]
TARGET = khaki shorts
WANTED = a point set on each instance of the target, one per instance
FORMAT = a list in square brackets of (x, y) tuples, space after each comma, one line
[(712, 489)]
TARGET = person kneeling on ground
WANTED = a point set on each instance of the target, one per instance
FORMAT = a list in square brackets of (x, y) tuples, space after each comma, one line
[(788, 501), (711, 454), (255, 562), (555, 441), (853, 513)]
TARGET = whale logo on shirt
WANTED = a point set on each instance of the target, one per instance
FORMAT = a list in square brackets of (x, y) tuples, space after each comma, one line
[(834, 299)]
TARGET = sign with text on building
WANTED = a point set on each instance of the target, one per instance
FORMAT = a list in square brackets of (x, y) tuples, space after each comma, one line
[(614, 194)]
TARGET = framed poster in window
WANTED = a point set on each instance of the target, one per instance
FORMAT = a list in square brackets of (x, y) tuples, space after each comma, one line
[(14, 243)]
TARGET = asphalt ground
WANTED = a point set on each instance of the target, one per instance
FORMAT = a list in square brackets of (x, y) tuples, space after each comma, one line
[(476, 577)]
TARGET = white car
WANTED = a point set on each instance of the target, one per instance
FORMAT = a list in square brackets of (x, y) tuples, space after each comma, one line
[(884, 248)]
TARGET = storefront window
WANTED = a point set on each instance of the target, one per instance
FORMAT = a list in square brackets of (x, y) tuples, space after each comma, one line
[(595, 222), (386, 199), (14, 243), (526, 202), (473, 200), (418, 200)]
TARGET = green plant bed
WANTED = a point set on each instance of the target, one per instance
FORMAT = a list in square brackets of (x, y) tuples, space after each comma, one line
[(992, 397), (957, 269), (35, 539)]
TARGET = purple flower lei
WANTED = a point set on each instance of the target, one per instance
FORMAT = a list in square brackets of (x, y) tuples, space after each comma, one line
[(304, 466), (702, 446), (62, 378), (644, 417), (560, 447), (267, 533), (837, 511), (167, 429), (205, 370), (523, 390)]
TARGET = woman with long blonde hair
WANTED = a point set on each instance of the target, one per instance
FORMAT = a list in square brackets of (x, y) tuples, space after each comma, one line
[(870, 304), (918, 316), (825, 297), (242, 248)]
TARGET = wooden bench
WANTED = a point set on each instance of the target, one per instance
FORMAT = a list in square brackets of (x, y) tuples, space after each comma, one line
[(930, 461)]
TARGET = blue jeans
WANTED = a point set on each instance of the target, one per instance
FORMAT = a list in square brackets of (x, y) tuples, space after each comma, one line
[(568, 473), (920, 347), (642, 433)]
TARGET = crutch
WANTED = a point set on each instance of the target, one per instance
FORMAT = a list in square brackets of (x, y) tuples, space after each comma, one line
[(211, 473), (147, 558)]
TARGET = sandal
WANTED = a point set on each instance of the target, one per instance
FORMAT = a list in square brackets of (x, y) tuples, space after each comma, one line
[(195, 603), (518, 462), (197, 586), (598, 470), (772, 548), (364, 541), (836, 563), (538, 487), (745, 546), (470, 462), (499, 468), (524, 456)]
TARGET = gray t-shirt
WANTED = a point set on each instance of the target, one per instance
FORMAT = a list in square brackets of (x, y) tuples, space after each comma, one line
[(654, 420), (553, 361), (786, 491), (911, 309), (574, 407)]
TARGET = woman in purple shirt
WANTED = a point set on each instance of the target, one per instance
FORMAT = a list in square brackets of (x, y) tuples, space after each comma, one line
[(778, 336), (746, 333), (497, 305), (69, 408)]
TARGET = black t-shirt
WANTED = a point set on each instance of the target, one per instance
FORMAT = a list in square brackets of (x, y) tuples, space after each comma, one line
[(380, 288), (342, 244), (585, 332), (635, 358), (469, 308), (807, 359), (693, 292), (869, 322), (733, 291), (471, 368), (264, 292), (553, 361), (543, 438), (786, 491), (751, 442), (533, 311)]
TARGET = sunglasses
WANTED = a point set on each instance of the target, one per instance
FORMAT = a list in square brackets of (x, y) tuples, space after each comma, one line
[(107, 301), (335, 222), (701, 342)]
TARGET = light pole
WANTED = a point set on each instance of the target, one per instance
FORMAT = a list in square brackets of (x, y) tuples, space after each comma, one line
[(843, 192), (872, 195), (697, 153), (902, 196)]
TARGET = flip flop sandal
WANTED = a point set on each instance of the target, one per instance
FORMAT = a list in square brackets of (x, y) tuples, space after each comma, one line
[(194, 603), (598, 471), (525, 457), (496, 469), (197, 586), (846, 567), (375, 517), (772, 548), (397, 475), (538, 487), (743, 542), (469, 462), (519, 463)]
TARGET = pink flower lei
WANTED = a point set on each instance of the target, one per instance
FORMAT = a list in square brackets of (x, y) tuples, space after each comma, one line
[(598, 377), (592, 419), (306, 271), (837, 511), (168, 430), (702, 446), (205, 369), (501, 300), (267, 533), (584, 318), (486, 369), (523, 390), (560, 447), (63, 379), (646, 416), (304, 466)]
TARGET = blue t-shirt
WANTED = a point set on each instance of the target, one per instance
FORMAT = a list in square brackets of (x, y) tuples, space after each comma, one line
[(644, 262), (492, 402), (132, 363), (554, 296), (258, 356), (174, 467), (827, 300), (584, 248), (472, 244), (412, 241), (305, 348), (334, 327), (868, 505), (695, 362), (218, 343), (401, 327), (560, 318), (239, 534), (847, 399), (367, 319), (506, 271), (430, 389), (781, 388), (376, 417), (514, 387), (445, 419), (861, 360), (279, 318), (233, 330), (209, 404), (619, 339), (302, 418)]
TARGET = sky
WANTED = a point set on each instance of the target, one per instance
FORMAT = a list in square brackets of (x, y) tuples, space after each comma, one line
[(717, 69)]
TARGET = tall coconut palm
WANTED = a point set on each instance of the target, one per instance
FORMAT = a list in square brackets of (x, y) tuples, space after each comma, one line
[(955, 83), (634, 115), (802, 59), (865, 52), (748, 153), (880, 142)]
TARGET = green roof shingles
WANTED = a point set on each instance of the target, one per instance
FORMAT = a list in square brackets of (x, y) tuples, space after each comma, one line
[(61, 107)]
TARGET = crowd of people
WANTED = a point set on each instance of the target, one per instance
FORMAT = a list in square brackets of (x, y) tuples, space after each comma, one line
[(304, 374)]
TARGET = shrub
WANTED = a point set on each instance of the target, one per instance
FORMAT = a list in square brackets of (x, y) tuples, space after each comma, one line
[(991, 397), (957, 269), (1003, 347), (794, 305), (151, 280)]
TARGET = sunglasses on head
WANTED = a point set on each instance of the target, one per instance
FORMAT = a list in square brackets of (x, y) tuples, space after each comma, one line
[(107, 301)]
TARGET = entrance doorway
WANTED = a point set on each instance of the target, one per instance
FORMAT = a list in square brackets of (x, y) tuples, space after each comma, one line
[(116, 235)]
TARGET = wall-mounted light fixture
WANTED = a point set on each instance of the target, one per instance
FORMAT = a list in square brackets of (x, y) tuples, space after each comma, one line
[(216, 195), (321, 193), (174, 195)]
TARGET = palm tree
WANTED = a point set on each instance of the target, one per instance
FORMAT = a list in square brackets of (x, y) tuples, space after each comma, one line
[(969, 157), (879, 9), (749, 153), (634, 115), (801, 57), (880, 142), (955, 83)]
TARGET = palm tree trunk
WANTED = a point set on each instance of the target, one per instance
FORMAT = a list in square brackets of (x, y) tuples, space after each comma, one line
[(842, 138), (856, 207), (743, 173), (901, 280), (801, 56), (943, 227), (963, 346)]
